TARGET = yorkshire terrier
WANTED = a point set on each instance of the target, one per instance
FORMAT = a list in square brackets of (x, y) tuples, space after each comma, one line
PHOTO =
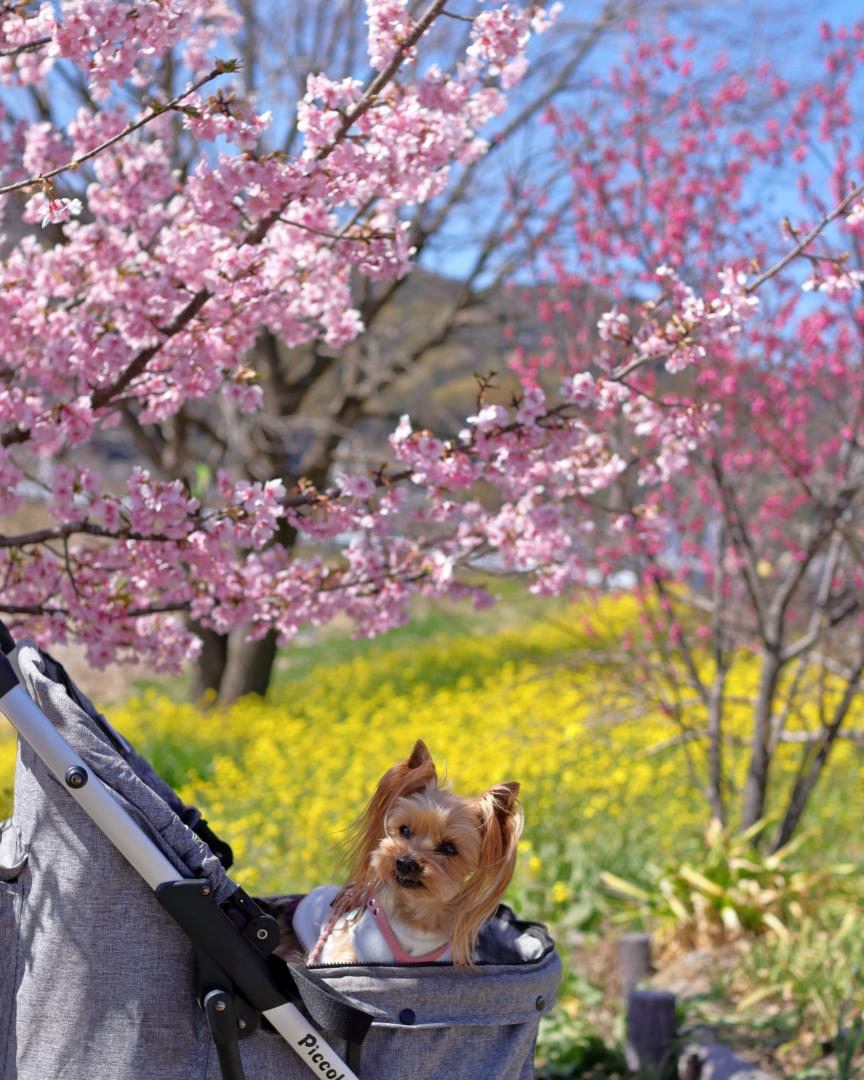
[(427, 870)]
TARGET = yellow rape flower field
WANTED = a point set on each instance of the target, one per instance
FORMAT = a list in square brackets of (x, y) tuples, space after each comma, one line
[(281, 778)]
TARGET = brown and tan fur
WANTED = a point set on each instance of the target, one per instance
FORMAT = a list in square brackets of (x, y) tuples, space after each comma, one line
[(451, 893)]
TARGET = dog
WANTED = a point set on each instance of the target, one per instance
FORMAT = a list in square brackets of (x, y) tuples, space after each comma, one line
[(427, 870)]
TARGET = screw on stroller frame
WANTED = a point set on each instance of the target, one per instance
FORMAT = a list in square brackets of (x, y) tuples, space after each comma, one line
[(231, 941)]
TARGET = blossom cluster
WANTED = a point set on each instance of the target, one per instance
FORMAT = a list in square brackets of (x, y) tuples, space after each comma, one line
[(107, 40), (743, 481), (157, 290), (175, 278), (159, 547)]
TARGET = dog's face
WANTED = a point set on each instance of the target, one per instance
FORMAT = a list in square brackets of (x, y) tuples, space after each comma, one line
[(431, 846), (442, 861)]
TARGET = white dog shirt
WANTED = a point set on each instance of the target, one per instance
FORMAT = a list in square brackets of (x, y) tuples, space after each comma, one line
[(375, 938)]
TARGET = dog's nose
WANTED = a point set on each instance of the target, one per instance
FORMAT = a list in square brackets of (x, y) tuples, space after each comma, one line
[(408, 866)]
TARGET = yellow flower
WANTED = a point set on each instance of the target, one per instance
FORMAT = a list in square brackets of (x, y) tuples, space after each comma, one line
[(560, 893), (282, 778)]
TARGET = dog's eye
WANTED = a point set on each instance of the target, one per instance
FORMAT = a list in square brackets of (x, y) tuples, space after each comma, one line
[(404, 830), (447, 848)]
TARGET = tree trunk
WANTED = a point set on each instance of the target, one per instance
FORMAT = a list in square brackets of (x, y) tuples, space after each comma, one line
[(210, 666), (818, 758), (715, 748), (756, 787), (233, 666), (248, 668)]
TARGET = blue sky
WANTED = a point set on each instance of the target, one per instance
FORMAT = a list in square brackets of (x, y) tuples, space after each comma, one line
[(784, 33), (781, 31)]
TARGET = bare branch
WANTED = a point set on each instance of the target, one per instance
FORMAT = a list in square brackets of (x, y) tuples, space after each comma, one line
[(816, 756), (221, 68), (741, 539), (31, 46), (807, 239)]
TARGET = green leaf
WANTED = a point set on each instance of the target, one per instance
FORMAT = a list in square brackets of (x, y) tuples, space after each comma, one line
[(756, 996), (700, 882), (781, 854), (679, 910), (624, 888), (779, 928), (730, 919), (203, 476), (757, 827)]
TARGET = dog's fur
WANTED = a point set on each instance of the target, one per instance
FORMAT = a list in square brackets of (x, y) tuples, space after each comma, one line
[(436, 863)]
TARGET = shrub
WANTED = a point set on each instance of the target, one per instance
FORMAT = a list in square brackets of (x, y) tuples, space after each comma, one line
[(731, 892)]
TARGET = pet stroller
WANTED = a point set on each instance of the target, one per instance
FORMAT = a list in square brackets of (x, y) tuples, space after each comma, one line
[(105, 979)]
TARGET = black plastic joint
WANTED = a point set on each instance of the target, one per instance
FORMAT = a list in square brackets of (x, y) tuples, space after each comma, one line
[(75, 776), (190, 903), (219, 1009), (8, 678)]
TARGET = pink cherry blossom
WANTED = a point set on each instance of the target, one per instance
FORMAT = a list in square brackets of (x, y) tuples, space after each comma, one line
[(60, 210), (159, 290), (666, 339)]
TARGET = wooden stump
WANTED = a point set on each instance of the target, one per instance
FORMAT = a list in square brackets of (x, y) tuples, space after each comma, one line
[(634, 960), (650, 1030)]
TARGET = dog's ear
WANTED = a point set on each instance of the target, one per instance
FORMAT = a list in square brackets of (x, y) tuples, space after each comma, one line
[(504, 797), (500, 822), (413, 774), (419, 756)]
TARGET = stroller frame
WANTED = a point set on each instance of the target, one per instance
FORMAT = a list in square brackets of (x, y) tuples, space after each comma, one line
[(229, 959)]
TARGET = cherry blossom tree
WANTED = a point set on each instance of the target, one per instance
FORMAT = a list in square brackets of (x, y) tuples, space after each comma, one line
[(154, 298), (738, 508), (320, 399)]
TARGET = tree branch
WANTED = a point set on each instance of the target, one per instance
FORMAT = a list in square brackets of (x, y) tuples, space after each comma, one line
[(31, 46), (221, 68), (806, 240), (105, 395)]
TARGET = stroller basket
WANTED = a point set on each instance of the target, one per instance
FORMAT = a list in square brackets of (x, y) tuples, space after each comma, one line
[(117, 915)]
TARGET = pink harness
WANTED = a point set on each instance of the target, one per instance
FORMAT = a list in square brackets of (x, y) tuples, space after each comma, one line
[(386, 931)]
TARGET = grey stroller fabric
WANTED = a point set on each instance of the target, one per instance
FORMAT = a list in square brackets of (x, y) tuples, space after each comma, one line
[(97, 982)]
